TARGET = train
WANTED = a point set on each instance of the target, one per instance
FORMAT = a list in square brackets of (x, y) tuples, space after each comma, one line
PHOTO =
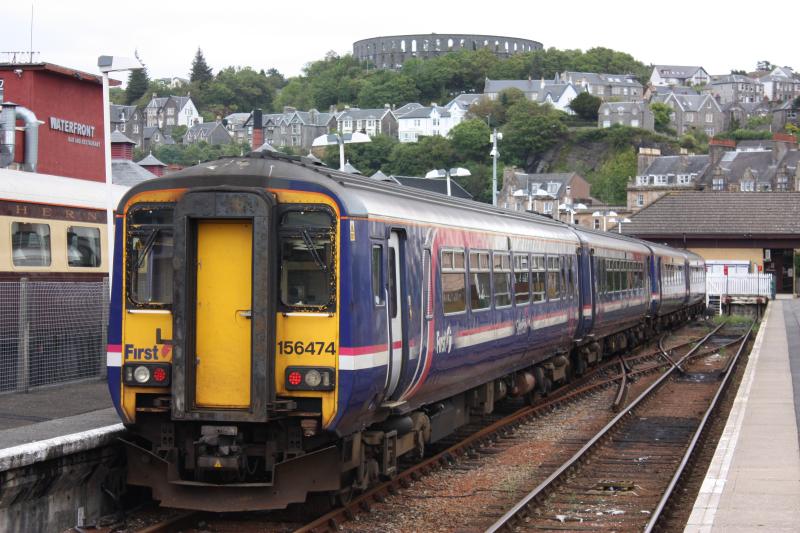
[(280, 329)]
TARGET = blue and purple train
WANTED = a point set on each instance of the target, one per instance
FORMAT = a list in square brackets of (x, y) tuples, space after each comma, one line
[(279, 328)]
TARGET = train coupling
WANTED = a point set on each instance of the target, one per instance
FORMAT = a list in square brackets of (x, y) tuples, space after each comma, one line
[(219, 449)]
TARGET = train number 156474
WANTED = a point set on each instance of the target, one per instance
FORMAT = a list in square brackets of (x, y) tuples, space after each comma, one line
[(306, 348)]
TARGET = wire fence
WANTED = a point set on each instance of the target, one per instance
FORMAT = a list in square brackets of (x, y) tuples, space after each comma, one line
[(51, 332)]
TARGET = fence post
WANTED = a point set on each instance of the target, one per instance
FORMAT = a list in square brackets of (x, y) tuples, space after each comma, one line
[(23, 339), (104, 344)]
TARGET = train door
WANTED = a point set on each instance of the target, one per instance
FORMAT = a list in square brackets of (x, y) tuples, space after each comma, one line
[(397, 308), (222, 312)]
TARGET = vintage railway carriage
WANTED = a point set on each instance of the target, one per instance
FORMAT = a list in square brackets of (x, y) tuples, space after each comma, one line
[(279, 328)]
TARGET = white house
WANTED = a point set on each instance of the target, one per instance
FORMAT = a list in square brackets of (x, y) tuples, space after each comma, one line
[(170, 111), (422, 122), (679, 75), (557, 94), (459, 106)]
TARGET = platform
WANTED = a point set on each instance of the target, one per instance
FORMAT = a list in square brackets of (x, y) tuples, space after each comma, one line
[(54, 412), (753, 482)]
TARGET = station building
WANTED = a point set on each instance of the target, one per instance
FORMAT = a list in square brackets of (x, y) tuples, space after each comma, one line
[(68, 105)]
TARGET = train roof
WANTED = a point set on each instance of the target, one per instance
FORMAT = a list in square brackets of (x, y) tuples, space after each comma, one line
[(359, 196), (19, 186), (611, 240)]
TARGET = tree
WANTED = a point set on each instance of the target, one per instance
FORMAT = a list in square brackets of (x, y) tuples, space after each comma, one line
[(416, 159), (531, 130), (470, 140), (609, 182), (367, 157), (585, 106), (239, 89), (201, 73), (661, 115), (386, 87), (138, 82)]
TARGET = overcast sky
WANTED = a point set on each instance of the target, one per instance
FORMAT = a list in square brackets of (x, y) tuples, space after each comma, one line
[(286, 35)]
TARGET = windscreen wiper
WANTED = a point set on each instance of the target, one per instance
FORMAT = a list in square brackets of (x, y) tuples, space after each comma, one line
[(148, 244), (311, 248)]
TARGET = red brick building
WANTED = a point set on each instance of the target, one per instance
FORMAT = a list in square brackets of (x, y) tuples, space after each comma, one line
[(69, 103)]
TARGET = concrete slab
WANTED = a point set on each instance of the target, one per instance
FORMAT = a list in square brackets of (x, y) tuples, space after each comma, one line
[(40, 405), (753, 482)]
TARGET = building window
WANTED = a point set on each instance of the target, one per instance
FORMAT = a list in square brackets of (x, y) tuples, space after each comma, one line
[(607, 112), (548, 208), (661, 179), (635, 123), (170, 112), (641, 180), (683, 179), (596, 224), (295, 128), (417, 123), (135, 128), (718, 184), (639, 202), (783, 184), (606, 123), (689, 117), (747, 186)]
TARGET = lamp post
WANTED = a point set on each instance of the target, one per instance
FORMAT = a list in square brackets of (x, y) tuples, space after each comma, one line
[(495, 153), (330, 139), (446, 173), (108, 64)]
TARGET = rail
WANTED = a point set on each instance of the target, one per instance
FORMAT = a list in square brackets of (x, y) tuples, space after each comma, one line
[(538, 493)]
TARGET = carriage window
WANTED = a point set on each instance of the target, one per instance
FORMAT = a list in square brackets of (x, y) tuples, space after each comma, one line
[(570, 277), (83, 246), (480, 286), (554, 277), (454, 282), (522, 293), (537, 277), (501, 271), (30, 244), (307, 275), (377, 274), (149, 257)]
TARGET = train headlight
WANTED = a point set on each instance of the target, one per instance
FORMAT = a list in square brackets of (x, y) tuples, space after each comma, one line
[(318, 378), (313, 378), (141, 374), (147, 374)]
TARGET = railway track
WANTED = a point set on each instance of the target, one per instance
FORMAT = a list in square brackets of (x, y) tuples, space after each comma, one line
[(623, 478), (631, 371)]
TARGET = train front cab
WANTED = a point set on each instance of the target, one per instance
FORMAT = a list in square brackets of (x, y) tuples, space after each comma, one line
[(229, 346)]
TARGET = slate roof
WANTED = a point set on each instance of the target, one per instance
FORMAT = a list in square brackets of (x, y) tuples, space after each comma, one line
[(309, 118), (526, 86), (150, 161), (117, 112), (731, 78), (665, 90), (401, 111), (149, 131), (350, 169), (594, 78), (533, 182), (425, 112), (464, 100), (627, 107), (119, 137), (690, 102), (760, 163), (734, 214), (677, 71), (126, 172), (677, 164), (362, 114), (437, 185)]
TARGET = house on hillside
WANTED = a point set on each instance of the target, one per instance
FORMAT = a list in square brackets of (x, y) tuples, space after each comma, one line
[(736, 88), (557, 94), (607, 87), (784, 114), (370, 121), (166, 112), (781, 85), (679, 75), (701, 113), (153, 137), (658, 175), (424, 122), (459, 106), (633, 114), (542, 192), (737, 114), (210, 132), (127, 119)]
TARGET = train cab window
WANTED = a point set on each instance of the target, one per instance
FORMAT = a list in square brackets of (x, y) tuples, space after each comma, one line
[(454, 282), (307, 278), (149, 256), (378, 293), (554, 277), (30, 244), (538, 274), (83, 246), (522, 294), (501, 272), (480, 281)]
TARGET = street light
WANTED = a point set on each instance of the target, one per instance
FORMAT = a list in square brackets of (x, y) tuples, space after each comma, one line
[(108, 64), (446, 173), (620, 222), (495, 153), (330, 139)]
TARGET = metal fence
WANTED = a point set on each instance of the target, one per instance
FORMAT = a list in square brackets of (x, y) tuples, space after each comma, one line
[(740, 285), (51, 332)]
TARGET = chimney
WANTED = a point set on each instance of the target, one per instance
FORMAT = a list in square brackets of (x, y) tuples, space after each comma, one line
[(288, 109), (646, 158), (783, 143), (717, 148), (258, 129)]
